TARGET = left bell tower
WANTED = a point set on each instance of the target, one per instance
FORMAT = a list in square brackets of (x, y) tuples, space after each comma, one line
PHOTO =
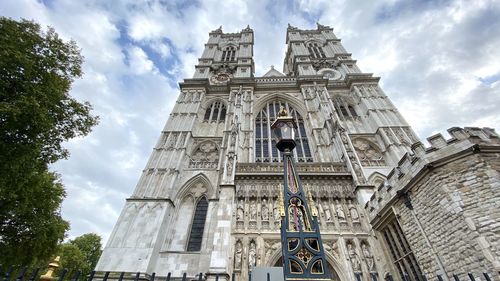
[(229, 53), (178, 219)]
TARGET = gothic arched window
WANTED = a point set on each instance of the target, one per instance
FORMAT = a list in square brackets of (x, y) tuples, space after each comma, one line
[(198, 225), (216, 112), (265, 146), (315, 50), (229, 54)]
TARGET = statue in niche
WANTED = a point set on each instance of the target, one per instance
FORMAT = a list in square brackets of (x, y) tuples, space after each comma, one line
[(240, 212), (229, 166), (328, 215), (354, 213), (234, 132), (252, 255), (276, 211), (353, 257), (340, 213), (370, 261), (238, 255), (253, 210), (264, 210)]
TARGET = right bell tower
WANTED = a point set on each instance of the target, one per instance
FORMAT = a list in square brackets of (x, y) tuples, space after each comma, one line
[(367, 130)]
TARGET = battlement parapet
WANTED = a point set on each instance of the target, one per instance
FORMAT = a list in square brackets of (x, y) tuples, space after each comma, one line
[(463, 142)]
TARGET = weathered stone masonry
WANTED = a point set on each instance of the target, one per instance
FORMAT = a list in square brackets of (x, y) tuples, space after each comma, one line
[(446, 199)]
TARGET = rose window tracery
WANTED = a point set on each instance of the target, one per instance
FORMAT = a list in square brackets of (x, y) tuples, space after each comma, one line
[(206, 155)]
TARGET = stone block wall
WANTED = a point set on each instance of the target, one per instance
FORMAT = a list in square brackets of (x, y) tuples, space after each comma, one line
[(446, 199)]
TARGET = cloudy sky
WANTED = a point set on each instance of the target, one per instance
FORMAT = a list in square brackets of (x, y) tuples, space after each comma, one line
[(439, 62)]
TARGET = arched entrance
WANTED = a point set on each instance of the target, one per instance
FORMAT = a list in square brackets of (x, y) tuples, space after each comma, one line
[(335, 267)]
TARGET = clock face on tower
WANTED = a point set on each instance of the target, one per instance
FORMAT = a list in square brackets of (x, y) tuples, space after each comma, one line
[(220, 78)]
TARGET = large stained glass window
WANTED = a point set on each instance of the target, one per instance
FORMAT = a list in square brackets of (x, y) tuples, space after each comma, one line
[(265, 146)]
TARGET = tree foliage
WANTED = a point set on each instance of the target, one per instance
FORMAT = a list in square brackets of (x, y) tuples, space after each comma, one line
[(36, 116), (82, 253)]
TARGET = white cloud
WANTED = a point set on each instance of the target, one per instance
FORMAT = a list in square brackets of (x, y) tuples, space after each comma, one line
[(431, 56), (139, 61)]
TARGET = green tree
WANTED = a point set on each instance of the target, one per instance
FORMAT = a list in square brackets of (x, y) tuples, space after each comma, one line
[(82, 253), (36, 116), (91, 247), (72, 259)]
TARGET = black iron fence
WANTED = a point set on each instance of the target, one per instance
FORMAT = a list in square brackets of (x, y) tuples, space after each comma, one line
[(26, 274)]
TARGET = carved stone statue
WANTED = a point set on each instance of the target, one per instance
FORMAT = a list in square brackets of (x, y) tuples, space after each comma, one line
[(252, 256), (326, 209), (340, 213), (276, 211), (353, 257), (370, 262), (354, 213), (238, 255), (253, 210), (240, 212), (229, 166), (264, 210)]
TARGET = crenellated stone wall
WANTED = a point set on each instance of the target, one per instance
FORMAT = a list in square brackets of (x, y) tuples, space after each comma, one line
[(445, 198)]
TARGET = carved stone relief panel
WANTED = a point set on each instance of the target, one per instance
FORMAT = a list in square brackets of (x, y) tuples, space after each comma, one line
[(368, 153), (205, 155)]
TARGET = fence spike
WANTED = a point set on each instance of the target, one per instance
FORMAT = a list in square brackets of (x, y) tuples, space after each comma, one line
[(120, 278), (91, 276), (8, 273), (183, 276), (217, 277), (486, 276), (106, 275), (20, 276), (200, 276), (168, 276), (76, 275), (152, 276), (471, 276), (455, 277), (34, 274), (63, 273), (137, 275)]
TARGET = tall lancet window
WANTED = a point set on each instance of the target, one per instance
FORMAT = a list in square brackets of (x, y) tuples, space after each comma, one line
[(215, 113), (198, 225), (315, 50), (265, 146), (229, 54)]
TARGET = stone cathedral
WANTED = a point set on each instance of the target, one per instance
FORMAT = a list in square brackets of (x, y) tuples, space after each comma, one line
[(208, 198)]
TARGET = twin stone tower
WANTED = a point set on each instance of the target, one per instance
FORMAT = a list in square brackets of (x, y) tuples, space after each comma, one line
[(208, 198)]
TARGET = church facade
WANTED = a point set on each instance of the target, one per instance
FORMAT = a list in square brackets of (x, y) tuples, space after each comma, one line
[(208, 198)]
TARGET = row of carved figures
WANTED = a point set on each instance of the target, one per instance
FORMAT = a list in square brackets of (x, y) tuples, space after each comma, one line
[(270, 210), (270, 246)]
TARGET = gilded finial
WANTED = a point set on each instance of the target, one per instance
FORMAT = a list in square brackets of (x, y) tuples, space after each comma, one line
[(51, 268)]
